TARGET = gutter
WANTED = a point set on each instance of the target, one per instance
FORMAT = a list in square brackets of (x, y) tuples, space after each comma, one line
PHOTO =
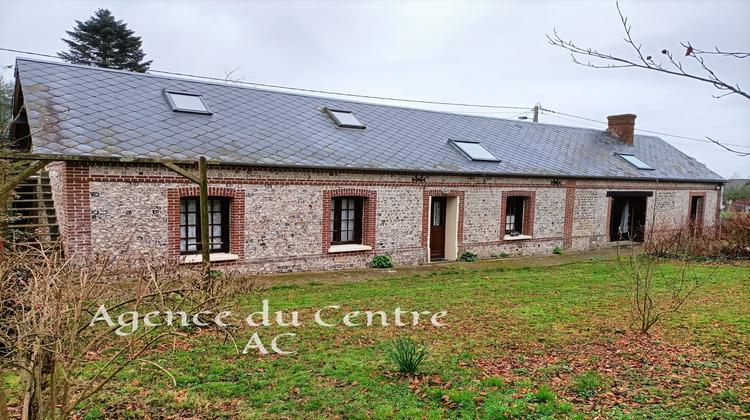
[(113, 159)]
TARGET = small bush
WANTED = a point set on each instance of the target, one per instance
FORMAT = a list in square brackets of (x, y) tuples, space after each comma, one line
[(407, 354), (382, 261), (557, 250), (735, 233), (467, 257), (500, 255), (588, 384)]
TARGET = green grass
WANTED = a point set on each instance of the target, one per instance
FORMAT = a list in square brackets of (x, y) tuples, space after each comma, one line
[(406, 354), (532, 342), (588, 384)]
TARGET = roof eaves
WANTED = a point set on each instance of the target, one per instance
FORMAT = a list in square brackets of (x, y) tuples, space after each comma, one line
[(114, 159)]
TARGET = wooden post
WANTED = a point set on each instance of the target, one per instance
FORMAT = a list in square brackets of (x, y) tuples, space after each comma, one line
[(205, 240)]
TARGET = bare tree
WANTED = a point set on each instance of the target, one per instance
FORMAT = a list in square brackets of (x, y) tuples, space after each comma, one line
[(655, 290), (673, 66), (670, 64)]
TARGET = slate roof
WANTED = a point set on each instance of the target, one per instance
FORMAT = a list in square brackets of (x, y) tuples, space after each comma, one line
[(89, 111)]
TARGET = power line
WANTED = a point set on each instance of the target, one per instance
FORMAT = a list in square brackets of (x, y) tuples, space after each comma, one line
[(643, 130), (514, 113), (526, 109), (325, 92), (672, 142), (571, 120)]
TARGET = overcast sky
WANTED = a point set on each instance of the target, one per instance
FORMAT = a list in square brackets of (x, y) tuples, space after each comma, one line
[(475, 52)]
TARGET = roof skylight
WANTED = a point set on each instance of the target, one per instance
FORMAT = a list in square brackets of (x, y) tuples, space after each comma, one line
[(186, 102), (344, 118), (635, 161), (474, 151)]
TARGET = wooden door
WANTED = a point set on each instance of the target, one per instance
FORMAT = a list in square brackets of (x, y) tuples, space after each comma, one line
[(437, 227)]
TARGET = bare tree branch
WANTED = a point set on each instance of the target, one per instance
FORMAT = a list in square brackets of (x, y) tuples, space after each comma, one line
[(673, 66), (231, 79)]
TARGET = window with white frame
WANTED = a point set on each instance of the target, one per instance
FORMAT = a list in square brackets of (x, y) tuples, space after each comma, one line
[(514, 207), (346, 220), (190, 225)]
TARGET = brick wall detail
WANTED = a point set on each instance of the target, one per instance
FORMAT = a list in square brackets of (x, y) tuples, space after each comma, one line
[(369, 212), (236, 217), (529, 209), (76, 211), (570, 204), (426, 194), (281, 217)]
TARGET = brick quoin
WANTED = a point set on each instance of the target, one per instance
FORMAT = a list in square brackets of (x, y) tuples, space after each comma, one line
[(236, 217), (570, 202), (77, 208), (369, 215), (607, 225)]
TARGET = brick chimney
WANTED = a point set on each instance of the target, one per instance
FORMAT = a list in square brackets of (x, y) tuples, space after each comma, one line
[(622, 126)]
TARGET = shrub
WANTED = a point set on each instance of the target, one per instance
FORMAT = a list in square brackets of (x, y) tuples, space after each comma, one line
[(557, 250), (407, 354), (500, 255), (382, 261), (730, 240), (735, 235), (467, 257), (680, 239)]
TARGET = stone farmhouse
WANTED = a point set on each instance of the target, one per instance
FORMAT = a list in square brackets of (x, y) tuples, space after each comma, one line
[(299, 182)]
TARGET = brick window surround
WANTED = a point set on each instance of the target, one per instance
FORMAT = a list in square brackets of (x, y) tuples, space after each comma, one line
[(701, 208), (236, 217), (369, 209), (529, 205)]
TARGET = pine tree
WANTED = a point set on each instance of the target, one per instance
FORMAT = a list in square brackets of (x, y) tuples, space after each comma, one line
[(103, 41)]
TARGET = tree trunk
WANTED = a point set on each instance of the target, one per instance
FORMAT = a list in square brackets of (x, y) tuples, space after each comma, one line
[(27, 385)]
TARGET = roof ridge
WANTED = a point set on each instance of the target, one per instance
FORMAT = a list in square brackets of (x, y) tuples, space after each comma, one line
[(303, 95)]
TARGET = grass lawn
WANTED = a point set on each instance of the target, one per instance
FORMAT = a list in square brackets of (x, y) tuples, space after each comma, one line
[(529, 342)]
